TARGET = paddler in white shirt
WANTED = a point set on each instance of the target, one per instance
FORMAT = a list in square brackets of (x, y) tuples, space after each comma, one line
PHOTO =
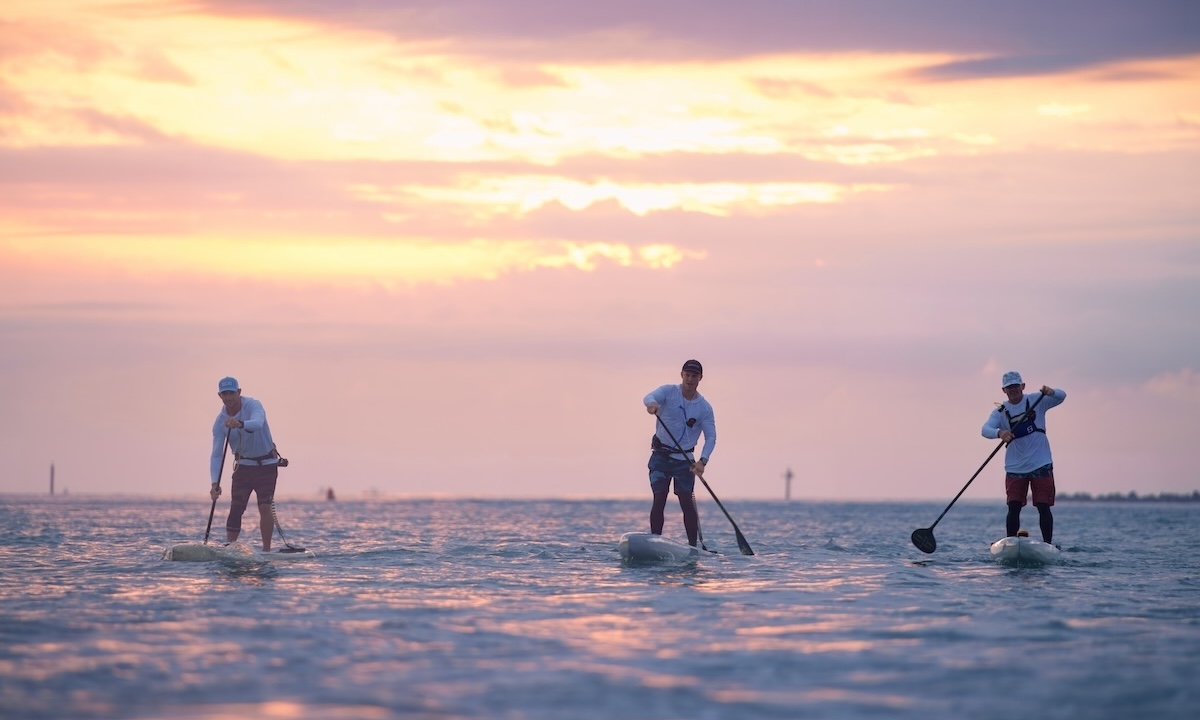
[(1020, 422), (684, 414), (256, 462)]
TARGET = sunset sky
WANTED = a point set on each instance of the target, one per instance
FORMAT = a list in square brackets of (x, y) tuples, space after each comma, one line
[(451, 244)]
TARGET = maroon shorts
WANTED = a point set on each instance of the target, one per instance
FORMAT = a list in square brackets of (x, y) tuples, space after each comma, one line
[(1016, 489), (257, 479)]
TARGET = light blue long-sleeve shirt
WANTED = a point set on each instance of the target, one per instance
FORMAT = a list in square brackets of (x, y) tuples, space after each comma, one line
[(675, 410), (252, 440), (1024, 454)]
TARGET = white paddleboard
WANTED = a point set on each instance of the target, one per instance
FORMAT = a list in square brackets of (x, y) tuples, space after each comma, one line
[(1024, 551), (235, 551), (285, 553), (648, 547)]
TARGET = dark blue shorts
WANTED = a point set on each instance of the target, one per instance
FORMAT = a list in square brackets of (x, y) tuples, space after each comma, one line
[(664, 469)]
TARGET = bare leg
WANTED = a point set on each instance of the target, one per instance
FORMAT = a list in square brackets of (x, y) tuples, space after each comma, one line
[(266, 524)]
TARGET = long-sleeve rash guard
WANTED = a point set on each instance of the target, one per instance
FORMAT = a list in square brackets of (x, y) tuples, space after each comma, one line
[(676, 411), (1028, 453), (253, 440)]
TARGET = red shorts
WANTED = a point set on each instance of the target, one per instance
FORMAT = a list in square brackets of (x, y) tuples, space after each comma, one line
[(1016, 489)]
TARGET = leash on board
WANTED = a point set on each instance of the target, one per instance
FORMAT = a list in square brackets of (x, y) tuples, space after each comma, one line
[(279, 529)]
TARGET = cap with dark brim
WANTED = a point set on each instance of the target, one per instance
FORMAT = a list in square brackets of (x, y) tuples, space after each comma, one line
[(693, 366)]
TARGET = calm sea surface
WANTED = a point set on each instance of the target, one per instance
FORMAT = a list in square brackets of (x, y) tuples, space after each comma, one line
[(523, 609)]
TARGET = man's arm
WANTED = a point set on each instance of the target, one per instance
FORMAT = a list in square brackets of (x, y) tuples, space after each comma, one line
[(253, 415), (708, 425), (991, 428)]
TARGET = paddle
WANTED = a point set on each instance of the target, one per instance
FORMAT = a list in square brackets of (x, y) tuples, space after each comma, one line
[(220, 472), (923, 537), (741, 539)]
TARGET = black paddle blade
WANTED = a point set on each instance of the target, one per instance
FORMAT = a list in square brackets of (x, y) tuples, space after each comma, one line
[(742, 544), (923, 539)]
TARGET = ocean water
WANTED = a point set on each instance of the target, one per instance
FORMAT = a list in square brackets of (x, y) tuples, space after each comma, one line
[(523, 609)]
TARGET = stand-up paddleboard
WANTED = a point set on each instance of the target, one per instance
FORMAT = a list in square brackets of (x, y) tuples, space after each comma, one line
[(647, 547), (235, 552), (1024, 550)]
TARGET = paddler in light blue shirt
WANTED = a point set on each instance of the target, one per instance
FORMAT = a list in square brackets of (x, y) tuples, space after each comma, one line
[(683, 413), (1021, 422), (256, 461)]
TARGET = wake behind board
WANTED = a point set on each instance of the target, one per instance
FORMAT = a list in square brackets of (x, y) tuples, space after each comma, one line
[(1024, 551), (234, 552), (641, 547)]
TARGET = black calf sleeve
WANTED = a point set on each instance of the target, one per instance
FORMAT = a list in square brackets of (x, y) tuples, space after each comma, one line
[(1013, 521), (691, 518), (1045, 521), (656, 513)]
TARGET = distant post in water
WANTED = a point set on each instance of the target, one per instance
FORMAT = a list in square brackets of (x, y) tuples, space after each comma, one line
[(787, 485), (51, 478)]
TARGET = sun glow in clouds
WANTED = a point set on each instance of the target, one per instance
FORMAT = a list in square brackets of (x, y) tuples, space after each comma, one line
[(1061, 110), (520, 195), (388, 263), (365, 114), (294, 89)]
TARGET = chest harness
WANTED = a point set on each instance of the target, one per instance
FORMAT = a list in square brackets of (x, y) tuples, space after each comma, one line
[(1023, 424)]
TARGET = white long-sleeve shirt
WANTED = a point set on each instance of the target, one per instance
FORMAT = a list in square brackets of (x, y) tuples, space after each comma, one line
[(675, 410), (1028, 453), (253, 439)]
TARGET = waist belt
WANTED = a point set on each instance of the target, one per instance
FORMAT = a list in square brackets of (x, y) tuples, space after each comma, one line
[(259, 460), (657, 446), (1044, 471), (670, 451)]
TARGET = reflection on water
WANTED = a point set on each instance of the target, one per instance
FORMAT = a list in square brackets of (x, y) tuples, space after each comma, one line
[(253, 572), (522, 609)]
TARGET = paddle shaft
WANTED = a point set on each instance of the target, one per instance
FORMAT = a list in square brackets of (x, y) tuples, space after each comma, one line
[(964, 487), (743, 545), (981, 467), (220, 472)]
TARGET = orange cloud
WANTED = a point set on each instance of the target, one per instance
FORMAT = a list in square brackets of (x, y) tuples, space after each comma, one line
[(388, 263)]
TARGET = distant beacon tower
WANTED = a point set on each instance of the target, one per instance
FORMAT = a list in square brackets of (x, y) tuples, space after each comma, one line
[(51, 478), (787, 487)]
